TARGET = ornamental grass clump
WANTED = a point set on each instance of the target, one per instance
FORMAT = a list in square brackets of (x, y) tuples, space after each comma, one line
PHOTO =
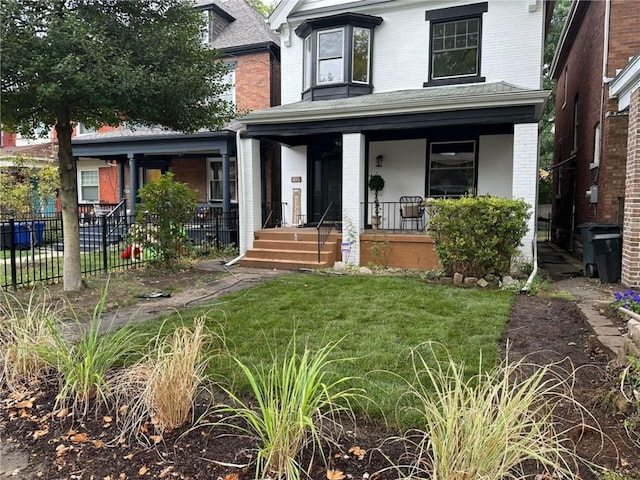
[(294, 398), (490, 426), (163, 386), (23, 331), (85, 365)]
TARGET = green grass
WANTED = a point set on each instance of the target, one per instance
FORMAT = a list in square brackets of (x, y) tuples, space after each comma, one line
[(379, 320)]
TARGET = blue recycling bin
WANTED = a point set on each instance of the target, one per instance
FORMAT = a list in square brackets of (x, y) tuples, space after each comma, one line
[(38, 233), (22, 236)]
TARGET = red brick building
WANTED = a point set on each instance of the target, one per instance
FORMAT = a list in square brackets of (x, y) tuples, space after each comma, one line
[(121, 161), (589, 164)]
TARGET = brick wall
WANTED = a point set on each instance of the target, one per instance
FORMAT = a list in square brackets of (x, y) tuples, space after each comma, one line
[(631, 243), (253, 81), (108, 182), (611, 180), (193, 172), (624, 39)]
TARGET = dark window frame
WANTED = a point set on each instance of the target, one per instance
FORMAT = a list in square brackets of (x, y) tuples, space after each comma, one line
[(454, 14), (473, 140)]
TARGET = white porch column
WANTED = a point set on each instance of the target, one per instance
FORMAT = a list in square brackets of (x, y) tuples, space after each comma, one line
[(249, 188), (353, 152), (525, 177)]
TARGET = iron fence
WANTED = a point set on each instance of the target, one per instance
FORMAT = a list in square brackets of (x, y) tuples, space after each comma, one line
[(31, 250), (391, 218)]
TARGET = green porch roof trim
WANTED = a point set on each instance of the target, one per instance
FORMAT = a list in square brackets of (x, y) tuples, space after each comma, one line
[(403, 102)]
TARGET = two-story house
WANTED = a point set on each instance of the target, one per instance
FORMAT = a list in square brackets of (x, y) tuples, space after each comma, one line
[(589, 165), (440, 98), (206, 160)]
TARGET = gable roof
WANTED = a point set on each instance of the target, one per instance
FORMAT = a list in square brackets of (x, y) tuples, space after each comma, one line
[(248, 28)]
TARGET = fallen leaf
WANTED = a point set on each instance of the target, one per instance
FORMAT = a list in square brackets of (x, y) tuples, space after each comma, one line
[(335, 475), (40, 433), (232, 476), (358, 452), (61, 450), (79, 437), (165, 472), (99, 444), (24, 404), (128, 457), (156, 438), (143, 470), (63, 412), (122, 476), (123, 409), (107, 419)]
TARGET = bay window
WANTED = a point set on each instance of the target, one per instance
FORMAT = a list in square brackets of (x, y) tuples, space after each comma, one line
[(337, 55)]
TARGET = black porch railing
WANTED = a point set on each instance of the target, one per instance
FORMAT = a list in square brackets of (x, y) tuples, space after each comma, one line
[(31, 250), (391, 218), (324, 229)]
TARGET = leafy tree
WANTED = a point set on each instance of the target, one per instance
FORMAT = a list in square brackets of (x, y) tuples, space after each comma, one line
[(26, 187), (560, 13), (104, 62), (265, 8), (166, 207)]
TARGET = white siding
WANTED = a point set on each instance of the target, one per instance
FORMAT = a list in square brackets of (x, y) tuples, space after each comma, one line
[(294, 164), (525, 176), (512, 45), (495, 167), (352, 171)]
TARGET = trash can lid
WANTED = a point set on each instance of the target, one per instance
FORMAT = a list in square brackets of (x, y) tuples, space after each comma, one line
[(606, 236)]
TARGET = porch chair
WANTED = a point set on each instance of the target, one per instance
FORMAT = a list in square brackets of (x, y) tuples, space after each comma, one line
[(411, 211)]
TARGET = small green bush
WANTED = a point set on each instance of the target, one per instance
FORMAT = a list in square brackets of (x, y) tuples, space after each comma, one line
[(477, 236), (166, 207)]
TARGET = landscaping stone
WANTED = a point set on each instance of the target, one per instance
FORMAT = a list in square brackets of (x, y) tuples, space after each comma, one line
[(339, 267), (446, 280), (458, 278), (507, 280), (365, 271), (471, 281), (482, 283)]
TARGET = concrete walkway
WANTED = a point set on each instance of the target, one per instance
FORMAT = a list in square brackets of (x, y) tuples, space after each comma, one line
[(591, 294)]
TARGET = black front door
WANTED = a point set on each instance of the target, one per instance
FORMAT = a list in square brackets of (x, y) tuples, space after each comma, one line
[(325, 177)]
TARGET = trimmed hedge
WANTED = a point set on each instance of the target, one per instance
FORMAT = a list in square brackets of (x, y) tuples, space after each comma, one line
[(477, 236)]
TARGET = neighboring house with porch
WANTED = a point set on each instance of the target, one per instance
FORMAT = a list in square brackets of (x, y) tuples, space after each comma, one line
[(113, 166), (440, 98), (590, 154)]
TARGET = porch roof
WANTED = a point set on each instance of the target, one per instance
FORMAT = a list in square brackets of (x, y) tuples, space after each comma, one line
[(154, 141), (433, 99)]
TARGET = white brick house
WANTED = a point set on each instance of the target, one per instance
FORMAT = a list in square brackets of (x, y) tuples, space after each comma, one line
[(441, 98)]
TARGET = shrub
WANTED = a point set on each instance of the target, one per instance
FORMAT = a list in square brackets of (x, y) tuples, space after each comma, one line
[(489, 425), (477, 236), (23, 330), (293, 398), (168, 205)]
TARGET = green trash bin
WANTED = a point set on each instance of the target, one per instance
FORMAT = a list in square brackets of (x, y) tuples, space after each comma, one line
[(608, 252), (588, 231)]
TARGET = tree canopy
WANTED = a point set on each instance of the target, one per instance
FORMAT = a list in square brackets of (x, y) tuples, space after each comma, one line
[(104, 62)]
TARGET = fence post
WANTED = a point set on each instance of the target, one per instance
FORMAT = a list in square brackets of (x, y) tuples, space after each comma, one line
[(12, 249), (105, 259), (217, 225)]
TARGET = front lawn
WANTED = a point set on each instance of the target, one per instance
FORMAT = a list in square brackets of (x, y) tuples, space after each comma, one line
[(378, 319)]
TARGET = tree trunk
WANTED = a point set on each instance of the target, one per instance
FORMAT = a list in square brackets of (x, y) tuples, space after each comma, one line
[(72, 278)]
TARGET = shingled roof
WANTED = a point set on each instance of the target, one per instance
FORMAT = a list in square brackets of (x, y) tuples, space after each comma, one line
[(248, 28)]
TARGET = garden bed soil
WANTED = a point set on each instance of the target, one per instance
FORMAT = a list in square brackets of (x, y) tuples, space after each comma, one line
[(37, 444)]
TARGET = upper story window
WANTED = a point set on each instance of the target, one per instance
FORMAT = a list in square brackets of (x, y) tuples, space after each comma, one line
[(455, 44), (230, 80), (337, 55), (214, 20)]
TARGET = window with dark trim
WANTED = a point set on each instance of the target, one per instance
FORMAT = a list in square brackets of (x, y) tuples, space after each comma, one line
[(215, 179), (452, 169), (336, 55), (455, 44)]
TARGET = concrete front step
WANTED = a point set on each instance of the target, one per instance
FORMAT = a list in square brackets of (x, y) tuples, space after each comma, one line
[(291, 249)]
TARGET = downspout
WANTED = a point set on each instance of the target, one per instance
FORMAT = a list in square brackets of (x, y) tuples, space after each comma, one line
[(242, 202), (534, 272)]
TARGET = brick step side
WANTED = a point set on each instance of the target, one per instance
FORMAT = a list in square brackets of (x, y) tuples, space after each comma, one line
[(286, 245), (281, 264), (292, 234), (297, 255)]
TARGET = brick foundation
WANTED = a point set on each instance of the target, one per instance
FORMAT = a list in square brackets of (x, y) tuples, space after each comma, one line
[(631, 241)]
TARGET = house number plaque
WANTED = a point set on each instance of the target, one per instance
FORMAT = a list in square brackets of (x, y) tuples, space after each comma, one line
[(296, 179)]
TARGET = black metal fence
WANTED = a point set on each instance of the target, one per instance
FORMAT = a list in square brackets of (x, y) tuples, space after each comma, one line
[(31, 250)]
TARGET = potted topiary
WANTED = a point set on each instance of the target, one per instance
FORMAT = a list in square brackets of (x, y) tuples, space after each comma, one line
[(376, 184)]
